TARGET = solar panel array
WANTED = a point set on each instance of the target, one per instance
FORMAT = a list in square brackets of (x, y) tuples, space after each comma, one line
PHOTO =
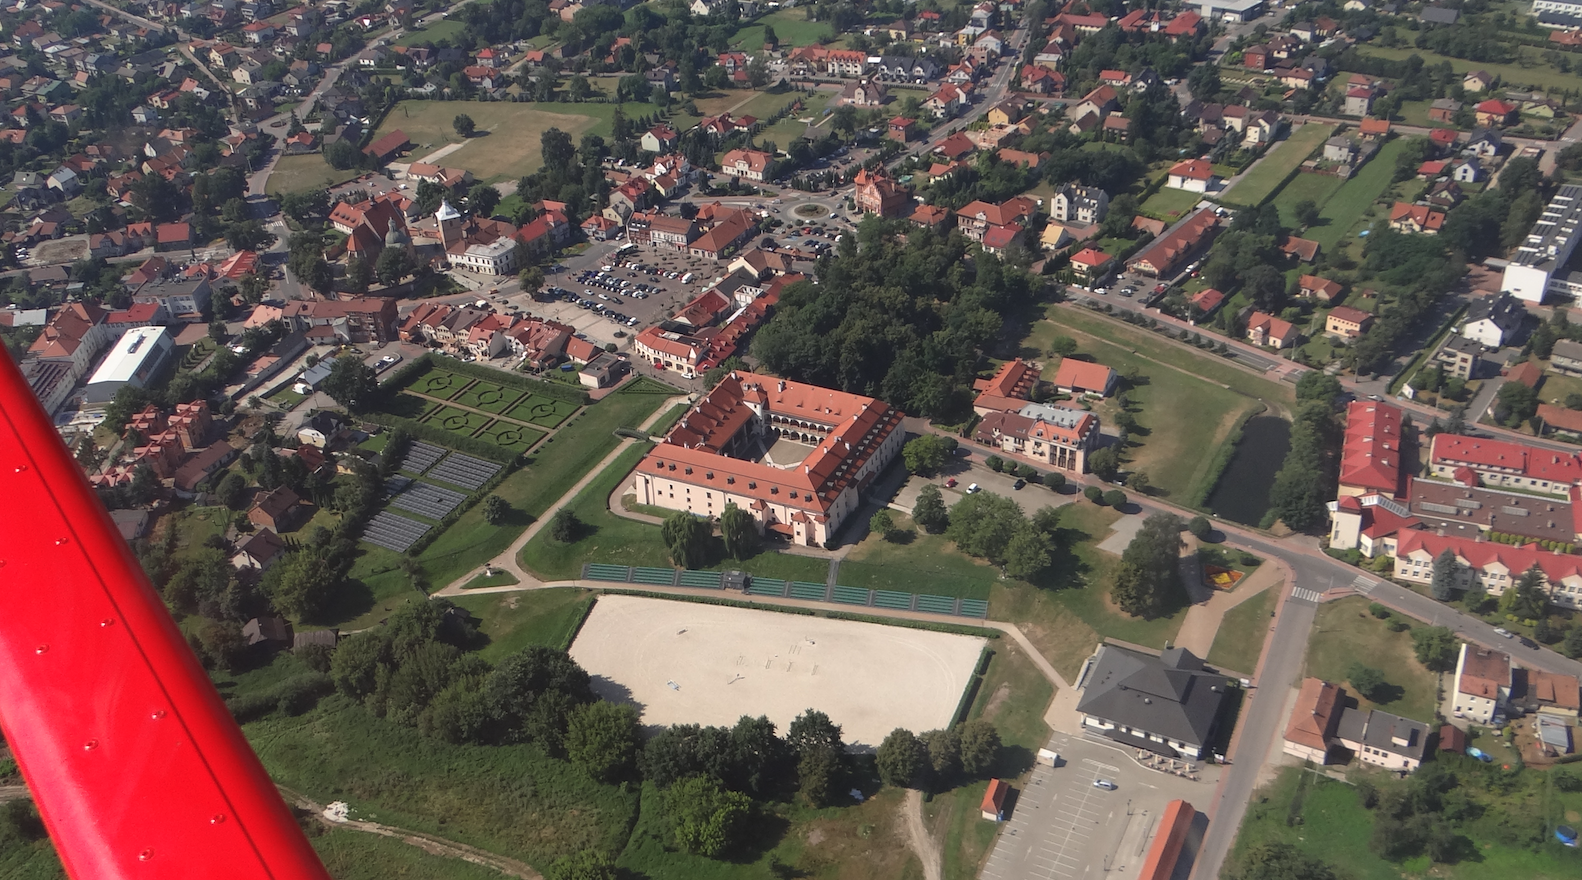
[(465, 471), (395, 485), (426, 500), (421, 456), (393, 532)]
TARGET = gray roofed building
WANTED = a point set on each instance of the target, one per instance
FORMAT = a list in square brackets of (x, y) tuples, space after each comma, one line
[(1166, 704), (325, 637), (1079, 204), (266, 629), (1493, 320), (1566, 357), (1439, 15), (1383, 739)]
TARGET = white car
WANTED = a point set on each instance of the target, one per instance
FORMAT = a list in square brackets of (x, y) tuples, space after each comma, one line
[(1104, 784), (974, 488), (1500, 630)]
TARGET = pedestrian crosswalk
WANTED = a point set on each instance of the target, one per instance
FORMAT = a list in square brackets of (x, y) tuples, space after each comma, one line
[(1302, 594), (1363, 585)]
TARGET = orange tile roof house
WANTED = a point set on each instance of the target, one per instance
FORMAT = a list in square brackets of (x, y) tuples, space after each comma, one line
[(1406, 217), (1009, 389), (1085, 377), (1314, 720), (1164, 255), (795, 456), (1090, 263), (1483, 683), (1266, 329), (278, 510), (746, 164), (1346, 322), (993, 806), (1058, 437), (1322, 289)]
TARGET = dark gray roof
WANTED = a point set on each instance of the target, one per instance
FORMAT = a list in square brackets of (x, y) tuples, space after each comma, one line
[(1352, 724), (1169, 695), (1439, 15), (1464, 345), (1504, 310), (1567, 348), (1396, 735)]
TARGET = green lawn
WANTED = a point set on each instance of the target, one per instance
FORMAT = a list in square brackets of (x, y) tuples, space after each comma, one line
[(1345, 632), (301, 173), (513, 621), (1170, 204), (791, 26), (542, 411), (457, 421), (1317, 188), (446, 29), (923, 563), (1345, 209), (790, 128), (510, 435), (498, 579), (439, 383), (1184, 407), (1067, 615), (1555, 388), (487, 396), (1239, 642), (1541, 75), (1508, 811), (1261, 181)]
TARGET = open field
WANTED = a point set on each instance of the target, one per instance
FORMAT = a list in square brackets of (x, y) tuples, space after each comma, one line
[(1261, 181), (791, 28), (358, 855), (1542, 74), (1183, 408), (1345, 632), (300, 173), (1170, 204), (923, 563), (685, 662), (1304, 186), (1342, 213), (514, 621), (446, 29), (790, 128), (760, 104), (507, 143), (1503, 815), (1239, 642)]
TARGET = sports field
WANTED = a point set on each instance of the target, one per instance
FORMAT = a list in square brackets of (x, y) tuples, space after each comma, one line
[(506, 145), (1257, 184), (689, 663)]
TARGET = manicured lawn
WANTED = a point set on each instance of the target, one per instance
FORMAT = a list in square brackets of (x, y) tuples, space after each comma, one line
[(746, 103), (1239, 642), (1556, 388), (1303, 187), (506, 145), (487, 396), (512, 800), (498, 579), (1346, 207), (1170, 204), (1065, 617), (790, 128), (457, 421), (542, 411), (438, 383), (301, 173), (924, 563), (1332, 825), (1345, 632), (195, 525), (1258, 183), (510, 435), (513, 621), (1183, 407)]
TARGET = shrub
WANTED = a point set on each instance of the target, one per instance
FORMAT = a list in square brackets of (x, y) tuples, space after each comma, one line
[(1379, 611), (1094, 494)]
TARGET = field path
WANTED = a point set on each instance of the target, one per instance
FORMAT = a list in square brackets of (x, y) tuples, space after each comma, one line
[(507, 560), (442, 152), (926, 847)]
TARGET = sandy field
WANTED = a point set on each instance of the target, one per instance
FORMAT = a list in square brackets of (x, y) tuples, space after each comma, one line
[(688, 663)]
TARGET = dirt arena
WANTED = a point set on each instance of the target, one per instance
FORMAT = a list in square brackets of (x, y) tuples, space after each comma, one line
[(688, 663)]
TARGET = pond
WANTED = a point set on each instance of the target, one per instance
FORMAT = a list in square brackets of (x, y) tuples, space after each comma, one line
[(1242, 493)]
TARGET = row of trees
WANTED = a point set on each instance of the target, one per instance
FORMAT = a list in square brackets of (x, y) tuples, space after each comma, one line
[(1305, 482)]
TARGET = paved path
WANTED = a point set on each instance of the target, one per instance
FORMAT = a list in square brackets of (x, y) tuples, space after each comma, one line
[(507, 560), (1203, 619)]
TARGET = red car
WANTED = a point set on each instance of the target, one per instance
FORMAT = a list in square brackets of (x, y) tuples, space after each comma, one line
[(950, 483)]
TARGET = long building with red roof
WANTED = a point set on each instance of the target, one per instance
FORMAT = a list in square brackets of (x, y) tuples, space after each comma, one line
[(1475, 461), (1496, 567), (1370, 459), (795, 456)]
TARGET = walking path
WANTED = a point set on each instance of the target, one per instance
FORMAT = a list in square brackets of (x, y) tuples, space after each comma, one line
[(1203, 619), (926, 847)]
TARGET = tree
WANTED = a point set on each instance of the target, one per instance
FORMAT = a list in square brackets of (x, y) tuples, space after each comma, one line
[(980, 747), (564, 526), (1105, 463), (1436, 647), (482, 199), (1137, 481), (818, 777), (929, 510), (88, 454), (301, 585), (705, 819), (602, 738), (687, 538), (1029, 553), (1365, 680), (359, 274), (1571, 645), (1115, 498), (588, 864), (1444, 576), (343, 155), (812, 731), (1200, 528), (495, 510), (530, 695), (1204, 82), (1475, 597), (351, 382), (739, 530), (464, 125), (393, 265), (881, 523), (231, 490), (1515, 404), (944, 755), (982, 524), (1148, 579), (901, 759), (925, 455), (1529, 601), (531, 280), (1093, 494), (1305, 212), (1278, 861)]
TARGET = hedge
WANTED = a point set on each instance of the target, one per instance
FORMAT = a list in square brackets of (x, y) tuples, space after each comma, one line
[(441, 437), (1221, 461), (404, 377)]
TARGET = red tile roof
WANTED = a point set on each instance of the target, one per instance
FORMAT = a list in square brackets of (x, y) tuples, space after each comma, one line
[(1083, 376), (1316, 713), (1531, 462), (1193, 169), (1370, 456)]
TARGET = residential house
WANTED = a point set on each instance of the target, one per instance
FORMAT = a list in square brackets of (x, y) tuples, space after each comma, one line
[(1324, 290), (1008, 390), (1163, 256), (278, 509), (1073, 203), (1483, 683), (257, 553), (746, 164), (1460, 357), (1495, 113), (659, 139), (874, 192), (1493, 321), (1192, 175), (977, 218), (1566, 357), (1085, 378), (1358, 102), (1265, 329), (1418, 219), (1091, 265), (1477, 81), (1444, 110), (1345, 322)]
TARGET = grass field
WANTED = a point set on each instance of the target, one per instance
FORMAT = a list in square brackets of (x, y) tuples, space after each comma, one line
[(545, 412), (1261, 181), (446, 29), (439, 383), (923, 563), (510, 435), (791, 26), (487, 396), (785, 131), (507, 143), (1065, 617), (1345, 632), (760, 104), (1332, 825), (1317, 187), (1184, 406), (358, 855), (1239, 642), (300, 173), (1341, 214), (513, 621), (456, 421), (1170, 204), (1542, 75)]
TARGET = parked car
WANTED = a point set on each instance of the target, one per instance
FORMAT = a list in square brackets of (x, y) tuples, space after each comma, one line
[(973, 489), (1502, 631), (1104, 784)]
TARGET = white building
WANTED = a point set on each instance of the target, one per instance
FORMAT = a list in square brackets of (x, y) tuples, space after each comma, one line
[(135, 359), (1547, 247), (1228, 10), (495, 258), (1483, 683)]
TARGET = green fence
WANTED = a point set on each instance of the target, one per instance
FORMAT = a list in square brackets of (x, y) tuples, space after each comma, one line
[(709, 580), (808, 590), (766, 587), (852, 595)]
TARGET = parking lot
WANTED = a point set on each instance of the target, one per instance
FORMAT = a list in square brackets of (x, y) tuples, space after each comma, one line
[(1062, 827)]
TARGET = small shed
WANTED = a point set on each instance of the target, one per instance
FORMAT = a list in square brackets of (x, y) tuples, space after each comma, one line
[(325, 637), (266, 629), (994, 800), (1452, 739)]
